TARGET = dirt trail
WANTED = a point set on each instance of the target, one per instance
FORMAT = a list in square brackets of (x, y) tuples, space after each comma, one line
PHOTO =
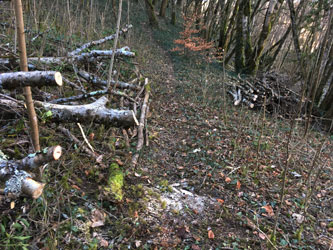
[(179, 163)]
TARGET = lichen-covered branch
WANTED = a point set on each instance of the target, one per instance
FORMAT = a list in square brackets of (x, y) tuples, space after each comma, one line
[(98, 42), (33, 78), (101, 83), (91, 56)]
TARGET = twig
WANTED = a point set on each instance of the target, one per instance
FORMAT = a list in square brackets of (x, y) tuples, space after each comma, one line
[(141, 126), (94, 155), (85, 138)]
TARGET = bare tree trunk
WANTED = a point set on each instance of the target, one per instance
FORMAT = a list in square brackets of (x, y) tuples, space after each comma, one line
[(173, 12), (253, 62), (163, 8), (151, 14), (115, 44), (240, 43), (24, 67)]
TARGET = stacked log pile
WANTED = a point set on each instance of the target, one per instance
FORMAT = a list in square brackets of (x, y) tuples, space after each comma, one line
[(88, 105), (253, 91)]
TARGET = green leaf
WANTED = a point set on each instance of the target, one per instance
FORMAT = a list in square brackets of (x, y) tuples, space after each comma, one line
[(283, 242), (17, 226), (25, 222), (48, 113), (21, 238), (2, 228)]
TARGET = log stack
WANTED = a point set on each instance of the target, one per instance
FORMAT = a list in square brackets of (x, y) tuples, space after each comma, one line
[(253, 91)]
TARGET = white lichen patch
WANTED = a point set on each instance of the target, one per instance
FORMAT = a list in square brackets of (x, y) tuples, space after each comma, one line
[(178, 200), (181, 200)]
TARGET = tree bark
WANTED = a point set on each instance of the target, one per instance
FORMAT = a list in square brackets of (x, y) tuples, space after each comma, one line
[(32, 78), (24, 67), (94, 112)]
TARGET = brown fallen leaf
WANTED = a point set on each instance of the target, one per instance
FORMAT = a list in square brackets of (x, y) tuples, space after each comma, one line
[(195, 247), (211, 234), (220, 201), (269, 210), (238, 185), (97, 218), (103, 243), (262, 236), (227, 180)]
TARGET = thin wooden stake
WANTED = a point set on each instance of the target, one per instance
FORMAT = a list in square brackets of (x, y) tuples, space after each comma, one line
[(24, 67)]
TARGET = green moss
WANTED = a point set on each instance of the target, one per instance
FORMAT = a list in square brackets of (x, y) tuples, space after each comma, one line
[(164, 185), (115, 182), (163, 204), (137, 190)]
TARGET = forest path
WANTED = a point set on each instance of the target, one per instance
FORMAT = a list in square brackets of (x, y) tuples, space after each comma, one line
[(182, 156)]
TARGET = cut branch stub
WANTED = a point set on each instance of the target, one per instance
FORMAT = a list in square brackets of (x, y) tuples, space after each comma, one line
[(32, 188), (33, 78), (96, 112), (42, 157)]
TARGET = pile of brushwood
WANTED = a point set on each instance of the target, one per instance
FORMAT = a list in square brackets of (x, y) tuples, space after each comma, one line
[(82, 73)]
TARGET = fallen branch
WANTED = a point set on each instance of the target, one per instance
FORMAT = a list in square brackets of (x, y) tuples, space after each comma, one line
[(98, 42), (91, 56), (89, 95), (141, 126), (79, 97), (95, 111), (101, 83), (32, 78)]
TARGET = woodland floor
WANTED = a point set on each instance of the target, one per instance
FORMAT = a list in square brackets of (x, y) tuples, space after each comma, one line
[(202, 183)]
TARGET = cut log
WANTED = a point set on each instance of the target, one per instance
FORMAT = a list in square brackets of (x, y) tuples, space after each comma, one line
[(98, 42), (101, 83), (32, 78), (96, 112)]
